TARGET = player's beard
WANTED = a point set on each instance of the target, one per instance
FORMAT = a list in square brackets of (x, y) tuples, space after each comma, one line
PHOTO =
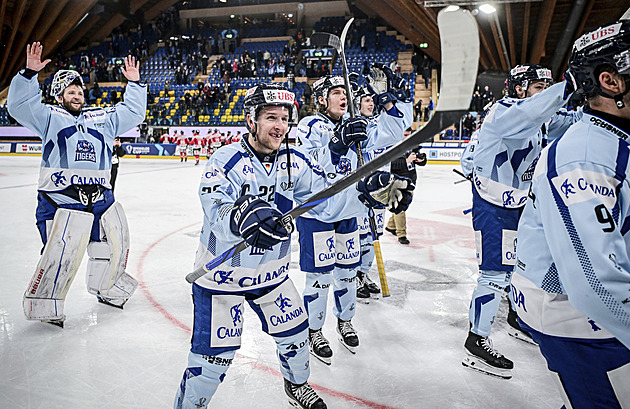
[(68, 106)]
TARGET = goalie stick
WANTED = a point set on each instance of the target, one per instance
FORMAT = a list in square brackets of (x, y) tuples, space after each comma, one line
[(460, 58), (331, 40)]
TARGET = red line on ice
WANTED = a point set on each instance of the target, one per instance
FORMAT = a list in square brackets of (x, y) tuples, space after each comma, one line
[(264, 368)]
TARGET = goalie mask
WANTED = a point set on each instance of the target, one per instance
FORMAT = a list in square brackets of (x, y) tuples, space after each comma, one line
[(524, 75), (322, 87), (606, 47), (61, 81)]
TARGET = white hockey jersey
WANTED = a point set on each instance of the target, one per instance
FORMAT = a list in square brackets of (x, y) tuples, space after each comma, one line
[(233, 171), (75, 150), (510, 141), (574, 234)]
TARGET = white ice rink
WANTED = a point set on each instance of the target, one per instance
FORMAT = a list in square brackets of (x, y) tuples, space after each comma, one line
[(411, 343)]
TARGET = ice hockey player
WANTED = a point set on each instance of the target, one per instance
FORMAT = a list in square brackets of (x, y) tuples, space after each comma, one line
[(571, 281), (245, 188), (330, 251), (512, 135), (195, 143), (76, 209), (183, 142), (393, 116)]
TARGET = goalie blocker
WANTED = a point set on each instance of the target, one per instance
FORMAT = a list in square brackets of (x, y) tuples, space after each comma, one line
[(68, 238)]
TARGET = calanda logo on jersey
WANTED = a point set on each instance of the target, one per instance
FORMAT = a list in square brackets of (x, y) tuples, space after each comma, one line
[(283, 303), (237, 320), (222, 277), (351, 252), (263, 277), (85, 152), (58, 178)]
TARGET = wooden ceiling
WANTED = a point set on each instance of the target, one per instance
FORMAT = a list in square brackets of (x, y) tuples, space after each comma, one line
[(533, 31)]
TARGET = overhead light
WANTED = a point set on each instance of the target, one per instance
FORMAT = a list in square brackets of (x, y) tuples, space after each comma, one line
[(452, 8), (223, 1), (290, 15), (232, 16), (488, 9)]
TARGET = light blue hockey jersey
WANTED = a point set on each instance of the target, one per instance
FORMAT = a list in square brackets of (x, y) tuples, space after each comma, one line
[(386, 129), (466, 161), (234, 170), (510, 140), (75, 150), (574, 234)]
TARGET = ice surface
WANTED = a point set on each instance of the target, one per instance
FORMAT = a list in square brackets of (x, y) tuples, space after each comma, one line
[(411, 343)]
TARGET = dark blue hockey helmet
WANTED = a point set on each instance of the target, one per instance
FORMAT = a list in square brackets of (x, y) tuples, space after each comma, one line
[(524, 74), (606, 47)]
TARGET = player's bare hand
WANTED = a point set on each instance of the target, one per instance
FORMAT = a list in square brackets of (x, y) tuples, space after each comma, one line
[(131, 70), (34, 57)]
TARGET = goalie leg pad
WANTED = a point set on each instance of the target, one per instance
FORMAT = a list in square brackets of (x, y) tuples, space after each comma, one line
[(68, 238), (106, 277)]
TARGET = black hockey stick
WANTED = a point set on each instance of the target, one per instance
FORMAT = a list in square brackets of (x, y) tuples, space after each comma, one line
[(460, 58)]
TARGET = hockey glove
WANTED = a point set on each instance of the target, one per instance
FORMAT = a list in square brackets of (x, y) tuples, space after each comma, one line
[(571, 84), (256, 221), (377, 82), (382, 99), (394, 81), (421, 159), (354, 81), (383, 188), (347, 134)]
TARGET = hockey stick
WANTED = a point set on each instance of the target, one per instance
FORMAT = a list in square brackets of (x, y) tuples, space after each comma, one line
[(331, 40), (460, 58)]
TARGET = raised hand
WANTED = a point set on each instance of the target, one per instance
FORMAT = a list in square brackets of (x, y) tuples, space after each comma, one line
[(131, 70), (34, 57)]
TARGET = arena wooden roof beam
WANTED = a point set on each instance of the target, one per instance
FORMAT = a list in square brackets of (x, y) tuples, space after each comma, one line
[(18, 11), (528, 9), (74, 11), (545, 15), (81, 31), (26, 30), (510, 27)]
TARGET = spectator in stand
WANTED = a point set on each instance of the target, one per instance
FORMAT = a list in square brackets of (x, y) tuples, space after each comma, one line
[(418, 110), (487, 96), (468, 125)]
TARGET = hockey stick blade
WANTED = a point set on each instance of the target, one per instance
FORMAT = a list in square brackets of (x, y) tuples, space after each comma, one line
[(321, 39), (460, 58)]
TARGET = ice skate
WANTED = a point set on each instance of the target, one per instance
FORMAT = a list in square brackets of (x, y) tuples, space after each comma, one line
[(484, 358), (363, 293), (57, 323), (371, 285), (515, 330), (319, 347), (303, 396), (111, 303), (347, 335)]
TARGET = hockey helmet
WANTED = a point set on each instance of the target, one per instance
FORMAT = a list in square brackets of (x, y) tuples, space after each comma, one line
[(61, 80), (263, 95), (322, 86), (606, 46), (524, 74), (358, 96)]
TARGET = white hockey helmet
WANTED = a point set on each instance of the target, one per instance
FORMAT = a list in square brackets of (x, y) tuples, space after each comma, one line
[(61, 80)]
